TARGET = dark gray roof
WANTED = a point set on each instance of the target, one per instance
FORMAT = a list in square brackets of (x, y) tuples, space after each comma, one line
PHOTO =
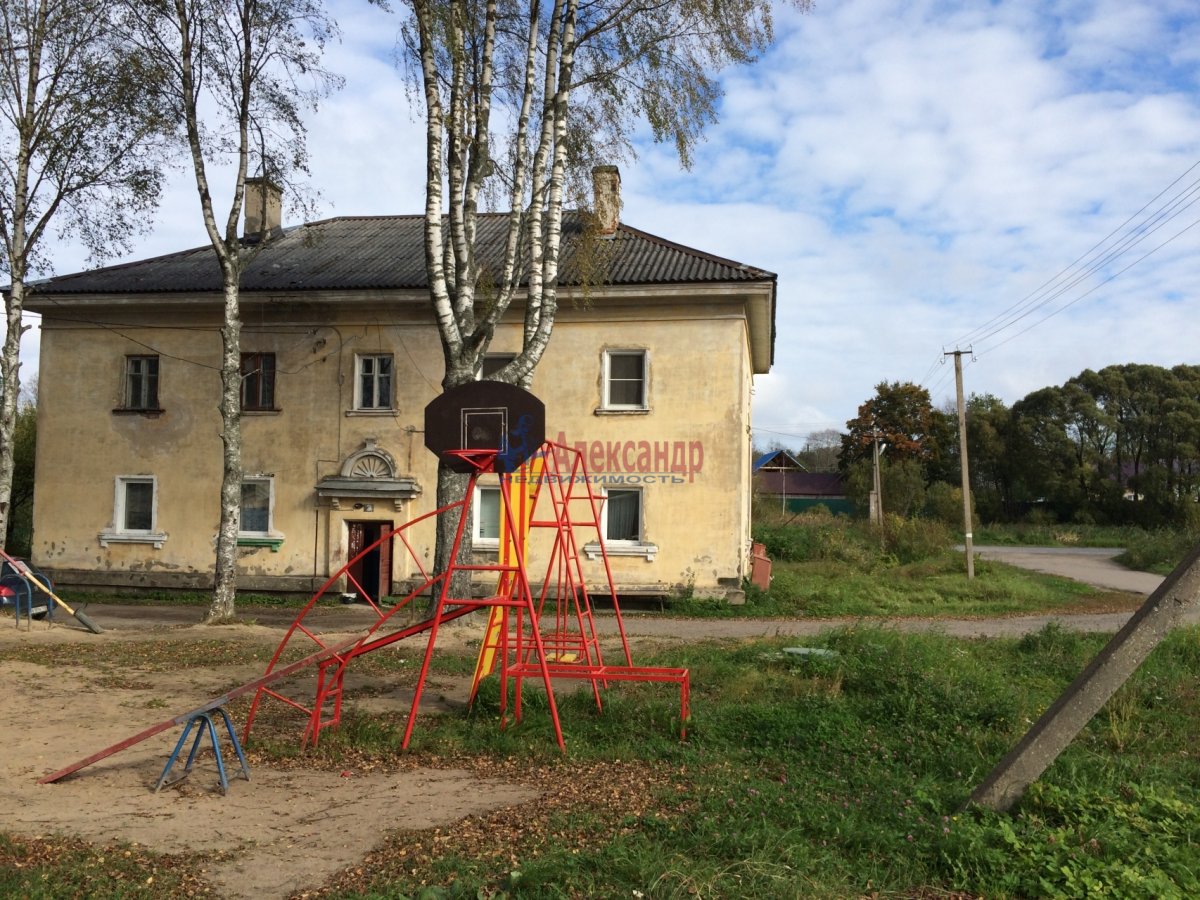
[(387, 252)]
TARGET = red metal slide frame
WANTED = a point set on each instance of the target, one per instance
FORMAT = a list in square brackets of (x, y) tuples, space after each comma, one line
[(566, 646), (545, 636)]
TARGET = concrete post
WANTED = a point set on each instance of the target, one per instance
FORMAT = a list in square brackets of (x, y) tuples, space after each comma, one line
[(968, 518), (1110, 669)]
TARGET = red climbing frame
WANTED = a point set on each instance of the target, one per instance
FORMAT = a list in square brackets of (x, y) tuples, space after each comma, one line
[(547, 635)]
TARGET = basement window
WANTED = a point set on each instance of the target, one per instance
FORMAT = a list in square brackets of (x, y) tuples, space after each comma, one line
[(485, 533), (621, 524)]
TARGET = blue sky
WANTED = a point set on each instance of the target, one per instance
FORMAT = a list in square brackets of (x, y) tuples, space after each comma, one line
[(911, 170)]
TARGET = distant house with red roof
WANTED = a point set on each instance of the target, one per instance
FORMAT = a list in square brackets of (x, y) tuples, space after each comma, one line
[(780, 475)]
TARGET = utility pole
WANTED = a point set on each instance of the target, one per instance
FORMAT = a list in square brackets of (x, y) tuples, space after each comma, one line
[(962, 446), (877, 506), (877, 492)]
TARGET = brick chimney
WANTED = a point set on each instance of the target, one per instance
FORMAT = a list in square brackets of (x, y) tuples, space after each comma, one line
[(606, 185), (262, 210)]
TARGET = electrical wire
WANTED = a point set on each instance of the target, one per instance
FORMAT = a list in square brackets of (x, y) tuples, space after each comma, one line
[(1083, 276), (1090, 291), (1038, 297)]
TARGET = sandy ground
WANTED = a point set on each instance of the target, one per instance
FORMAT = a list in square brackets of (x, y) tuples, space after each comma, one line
[(279, 833), (287, 830)]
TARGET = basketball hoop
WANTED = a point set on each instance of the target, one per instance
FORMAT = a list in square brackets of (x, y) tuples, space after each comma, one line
[(467, 424)]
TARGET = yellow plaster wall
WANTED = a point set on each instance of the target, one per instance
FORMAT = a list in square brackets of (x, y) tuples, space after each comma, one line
[(699, 385)]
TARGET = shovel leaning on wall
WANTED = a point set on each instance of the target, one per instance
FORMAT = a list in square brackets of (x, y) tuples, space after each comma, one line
[(45, 588)]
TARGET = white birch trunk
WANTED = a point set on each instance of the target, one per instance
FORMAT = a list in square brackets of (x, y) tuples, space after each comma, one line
[(228, 252), (10, 357), (458, 149), (225, 576), (434, 239), (18, 253), (10, 363), (73, 143), (658, 50)]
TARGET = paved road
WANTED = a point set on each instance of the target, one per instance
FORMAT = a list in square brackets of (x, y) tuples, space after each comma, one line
[(1091, 566)]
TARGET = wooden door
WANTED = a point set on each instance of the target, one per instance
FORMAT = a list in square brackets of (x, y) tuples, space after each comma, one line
[(371, 576)]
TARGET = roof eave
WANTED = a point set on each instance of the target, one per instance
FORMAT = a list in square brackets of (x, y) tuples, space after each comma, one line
[(760, 315)]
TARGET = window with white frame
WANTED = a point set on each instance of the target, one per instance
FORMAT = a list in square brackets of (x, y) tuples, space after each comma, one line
[(373, 382), (135, 504), (625, 379), (135, 512), (621, 523), (141, 382), (257, 497), (623, 515), (485, 531)]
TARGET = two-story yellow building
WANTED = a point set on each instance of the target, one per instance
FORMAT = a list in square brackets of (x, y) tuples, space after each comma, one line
[(650, 372)]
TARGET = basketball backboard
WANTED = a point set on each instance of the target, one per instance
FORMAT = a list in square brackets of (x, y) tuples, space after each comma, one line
[(485, 415)]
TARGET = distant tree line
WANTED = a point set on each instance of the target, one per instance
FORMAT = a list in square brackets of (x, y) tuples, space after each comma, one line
[(1117, 446)]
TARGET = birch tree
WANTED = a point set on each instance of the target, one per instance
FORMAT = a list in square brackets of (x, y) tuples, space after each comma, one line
[(238, 76), (79, 156), (521, 100)]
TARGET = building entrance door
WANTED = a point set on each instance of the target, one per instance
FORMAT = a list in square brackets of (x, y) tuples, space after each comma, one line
[(372, 575)]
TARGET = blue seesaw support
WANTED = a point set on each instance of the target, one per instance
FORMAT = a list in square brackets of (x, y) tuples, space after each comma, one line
[(203, 723)]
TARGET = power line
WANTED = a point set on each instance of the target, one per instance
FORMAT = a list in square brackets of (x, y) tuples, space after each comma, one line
[(1113, 256), (120, 330), (791, 434), (939, 382), (1052, 288), (933, 366), (1093, 289)]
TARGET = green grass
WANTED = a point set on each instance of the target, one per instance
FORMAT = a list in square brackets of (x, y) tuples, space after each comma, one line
[(933, 587), (1158, 551), (1050, 535), (144, 597), (51, 867), (815, 536), (819, 777), (826, 566), (936, 587), (803, 776), (146, 657)]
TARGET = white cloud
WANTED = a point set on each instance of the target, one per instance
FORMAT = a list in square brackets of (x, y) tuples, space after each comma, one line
[(909, 169), (958, 157)]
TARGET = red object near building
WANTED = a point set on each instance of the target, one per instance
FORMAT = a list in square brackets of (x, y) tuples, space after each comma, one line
[(760, 567), (545, 635)]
